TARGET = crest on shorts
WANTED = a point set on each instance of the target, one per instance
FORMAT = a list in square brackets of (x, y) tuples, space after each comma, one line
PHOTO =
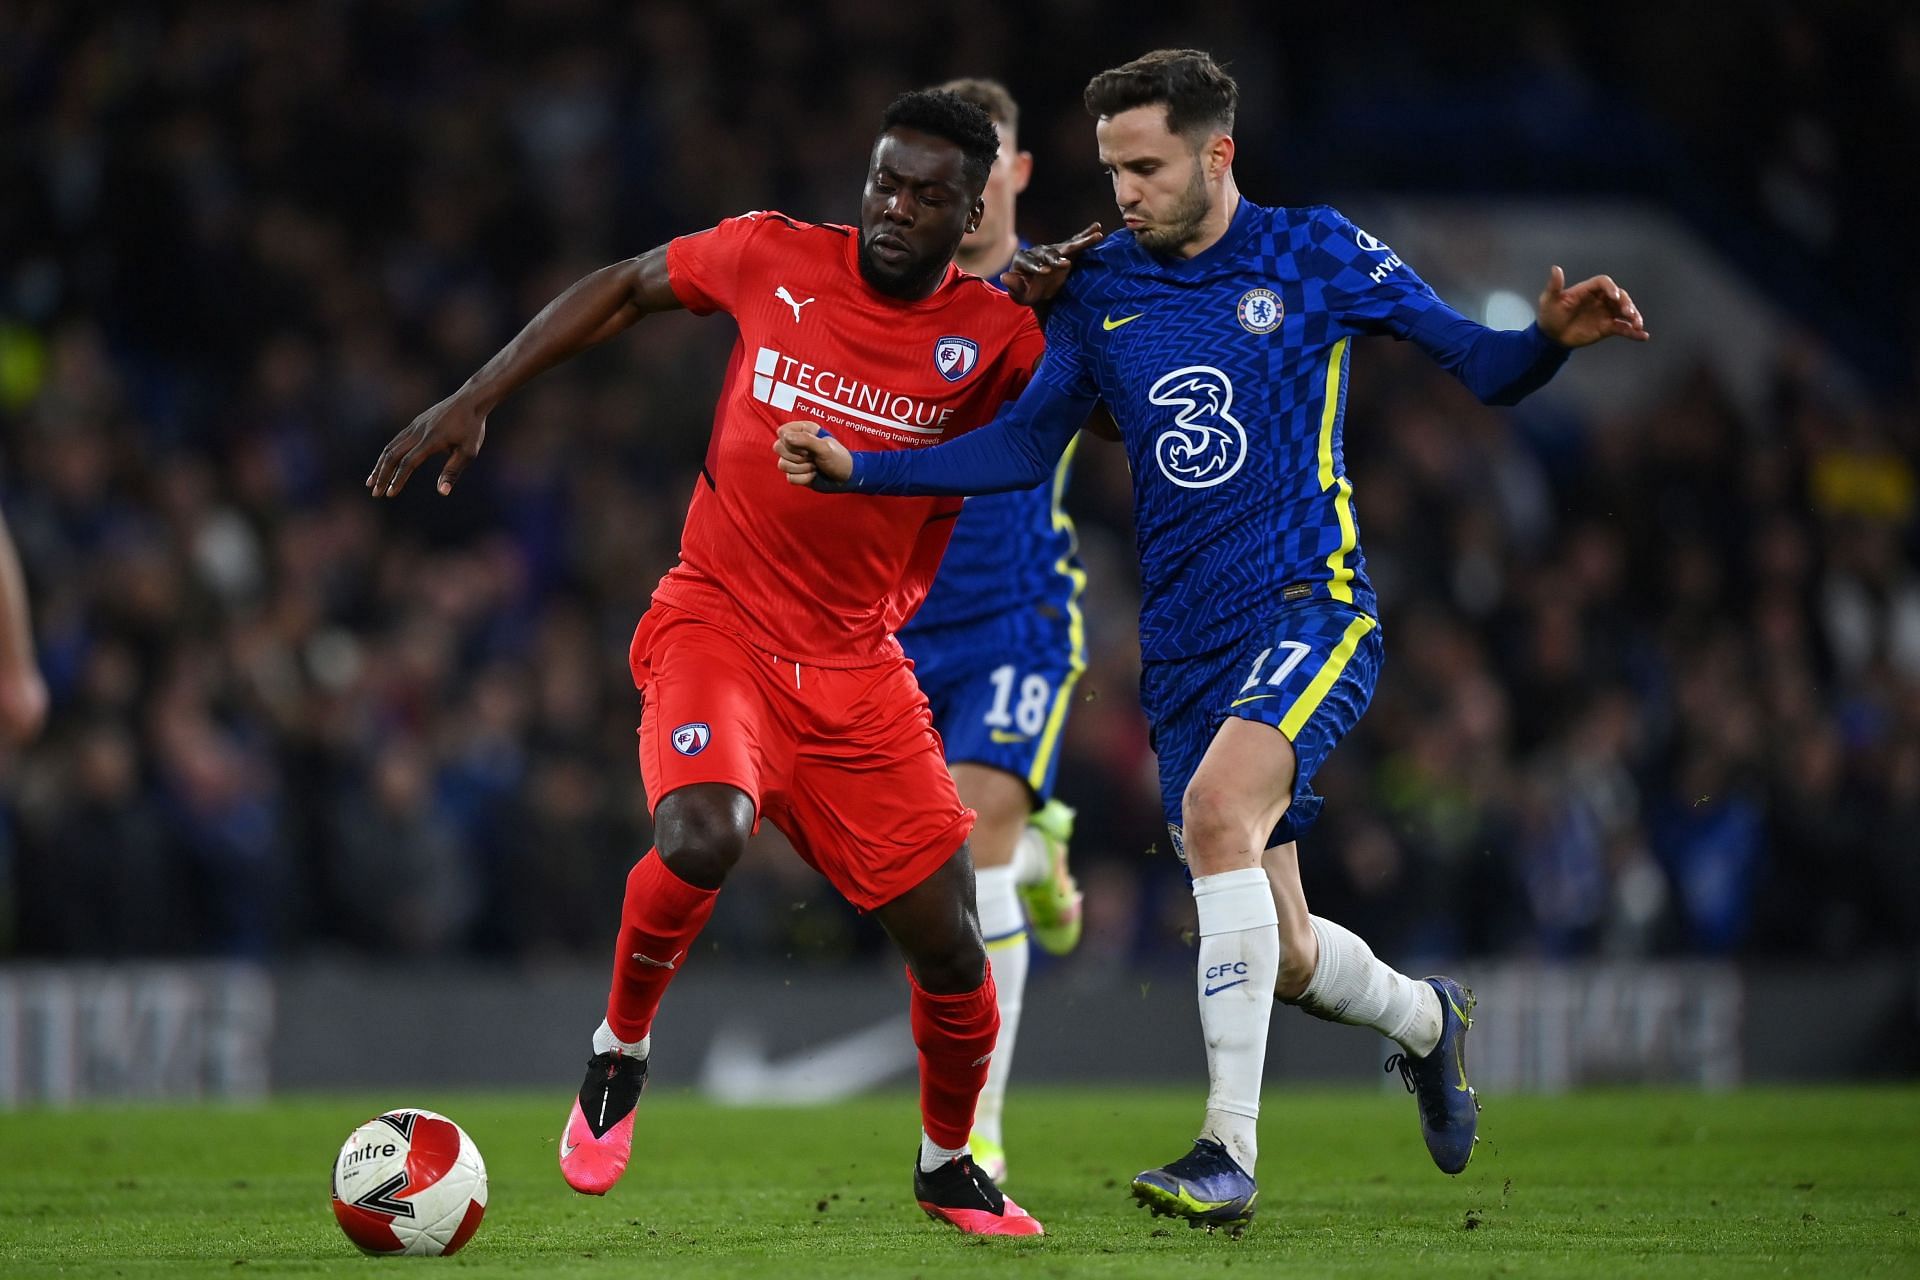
[(1179, 839), (692, 739), (955, 357)]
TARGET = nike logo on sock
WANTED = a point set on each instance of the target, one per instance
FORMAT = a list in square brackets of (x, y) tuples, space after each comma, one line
[(1214, 991)]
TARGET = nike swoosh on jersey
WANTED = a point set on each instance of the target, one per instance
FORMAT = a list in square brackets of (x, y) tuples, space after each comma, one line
[(1108, 323), (1003, 737), (1237, 702), (1214, 991)]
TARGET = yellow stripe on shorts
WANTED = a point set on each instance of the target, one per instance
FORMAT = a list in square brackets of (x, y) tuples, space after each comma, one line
[(1315, 693)]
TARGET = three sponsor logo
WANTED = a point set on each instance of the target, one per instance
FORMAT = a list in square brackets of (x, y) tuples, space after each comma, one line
[(1206, 445)]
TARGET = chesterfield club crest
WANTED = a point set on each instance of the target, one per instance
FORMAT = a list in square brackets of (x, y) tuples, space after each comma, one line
[(955, 357)]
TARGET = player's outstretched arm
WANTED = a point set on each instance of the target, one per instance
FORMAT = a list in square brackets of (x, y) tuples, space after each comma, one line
[(1017, 450), (1504, 367), (594, 309), (1594, 309)]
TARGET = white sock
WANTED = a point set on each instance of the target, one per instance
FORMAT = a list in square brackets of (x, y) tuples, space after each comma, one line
[(933, 1155), (1239, 963), (1005, 929), (1349, 985), (1030, 862), (604, 1040)]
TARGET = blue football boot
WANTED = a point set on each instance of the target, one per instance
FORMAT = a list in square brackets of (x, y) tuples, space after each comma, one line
[(1449, 1109), (1206, 1186)]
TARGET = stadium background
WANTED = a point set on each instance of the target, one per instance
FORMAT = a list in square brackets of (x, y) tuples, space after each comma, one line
[(1654, 681)]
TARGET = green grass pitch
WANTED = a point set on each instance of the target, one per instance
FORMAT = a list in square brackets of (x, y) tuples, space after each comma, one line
[(1776, 1182)]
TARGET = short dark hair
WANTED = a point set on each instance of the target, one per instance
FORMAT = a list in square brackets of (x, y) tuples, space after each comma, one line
[(947, 115), (1199, 95), (990, 96)]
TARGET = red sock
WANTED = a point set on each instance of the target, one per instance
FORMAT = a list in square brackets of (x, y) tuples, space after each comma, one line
[(659, 920), (956, 1036)]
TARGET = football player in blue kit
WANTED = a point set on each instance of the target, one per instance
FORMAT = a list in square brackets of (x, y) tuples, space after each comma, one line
[(1217, 333), (997, 648)]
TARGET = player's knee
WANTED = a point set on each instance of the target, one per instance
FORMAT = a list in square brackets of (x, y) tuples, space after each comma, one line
[(1219, 835), (951, 970), (1293, 978), (700, 838), (1299, 956), (702, 862)]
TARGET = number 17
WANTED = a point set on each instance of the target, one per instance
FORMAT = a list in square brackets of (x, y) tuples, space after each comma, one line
[(1296, 653)]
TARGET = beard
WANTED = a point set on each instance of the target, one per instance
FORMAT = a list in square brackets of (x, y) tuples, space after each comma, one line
[(1182, 223), (910, 280)]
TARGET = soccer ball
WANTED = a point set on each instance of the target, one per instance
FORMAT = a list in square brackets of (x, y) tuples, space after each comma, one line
[(409, 1181)]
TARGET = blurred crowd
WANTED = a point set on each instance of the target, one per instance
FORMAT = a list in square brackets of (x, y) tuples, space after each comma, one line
[(1653, 682)]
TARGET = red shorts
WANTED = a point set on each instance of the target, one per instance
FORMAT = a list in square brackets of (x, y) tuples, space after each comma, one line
[(845, 762)]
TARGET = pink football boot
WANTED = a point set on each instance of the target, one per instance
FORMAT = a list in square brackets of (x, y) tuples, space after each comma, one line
[(599, 1134), (958, 1192)]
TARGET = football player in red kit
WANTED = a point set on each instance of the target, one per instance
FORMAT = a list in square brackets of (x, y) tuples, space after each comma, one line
[(771, 683)]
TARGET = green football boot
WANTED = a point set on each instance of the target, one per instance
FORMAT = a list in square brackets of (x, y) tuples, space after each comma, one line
[(1053, 901)]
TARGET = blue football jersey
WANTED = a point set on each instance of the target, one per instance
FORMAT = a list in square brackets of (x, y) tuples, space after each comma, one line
[(1227, 374), (1007, 550)]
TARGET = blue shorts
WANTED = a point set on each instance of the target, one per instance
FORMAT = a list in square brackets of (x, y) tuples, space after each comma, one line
[(1000, 688), (1310, 672)]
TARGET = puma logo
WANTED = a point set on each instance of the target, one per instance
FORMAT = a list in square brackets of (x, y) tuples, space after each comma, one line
[(782, 294), (658, 964)]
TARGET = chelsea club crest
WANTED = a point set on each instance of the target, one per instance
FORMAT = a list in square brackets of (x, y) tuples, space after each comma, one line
[(1260, 311), (955, 357)]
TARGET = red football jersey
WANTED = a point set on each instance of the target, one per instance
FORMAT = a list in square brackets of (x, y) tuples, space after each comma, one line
[(814, 578)]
